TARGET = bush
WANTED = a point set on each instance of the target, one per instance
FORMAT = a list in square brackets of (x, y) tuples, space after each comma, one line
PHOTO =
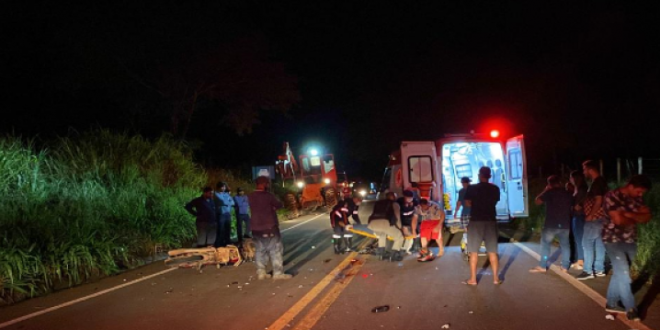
[(89, 205)]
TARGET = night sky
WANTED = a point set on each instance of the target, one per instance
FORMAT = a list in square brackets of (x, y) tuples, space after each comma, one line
[(580, 81)]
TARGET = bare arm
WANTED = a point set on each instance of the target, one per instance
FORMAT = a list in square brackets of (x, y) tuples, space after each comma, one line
[(397, 214), (458, 206), (643, 216), (620, 219)]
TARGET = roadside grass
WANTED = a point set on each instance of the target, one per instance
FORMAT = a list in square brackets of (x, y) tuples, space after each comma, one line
[(89, 205)]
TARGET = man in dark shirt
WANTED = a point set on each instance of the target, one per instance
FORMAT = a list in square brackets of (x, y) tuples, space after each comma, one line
[(592, 239), (204, 209), (266, 230), (558, 203), (624, 210), (482, 198)]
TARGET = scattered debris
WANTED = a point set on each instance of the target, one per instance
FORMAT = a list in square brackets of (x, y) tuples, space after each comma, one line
[(609, 317), (313, 247), (300, 286), (325, 261), (234, 282), (400, 264), (365, 275), (124, 280), (398, 307), (169, 291), (381, 309), (445, 326), (471, 312)]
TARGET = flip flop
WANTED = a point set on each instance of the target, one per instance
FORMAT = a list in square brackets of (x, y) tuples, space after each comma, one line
[(467, 282)]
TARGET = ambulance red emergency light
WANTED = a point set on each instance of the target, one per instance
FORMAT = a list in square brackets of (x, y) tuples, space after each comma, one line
[(436, 168)]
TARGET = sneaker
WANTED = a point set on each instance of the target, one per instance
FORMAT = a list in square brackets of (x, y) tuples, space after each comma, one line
[(633, 316), (282, 276), (585, 276), (600, 274), (615, 309), (263, 276)]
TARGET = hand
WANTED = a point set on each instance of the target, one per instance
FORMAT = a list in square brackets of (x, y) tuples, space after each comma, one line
[(349, 227), (436, 229)]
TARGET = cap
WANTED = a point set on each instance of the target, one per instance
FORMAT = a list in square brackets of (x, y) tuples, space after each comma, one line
[(485, 172), (465, 179), (408, 193)]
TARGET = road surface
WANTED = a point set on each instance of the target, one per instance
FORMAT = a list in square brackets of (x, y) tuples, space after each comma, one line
[(333, 292)]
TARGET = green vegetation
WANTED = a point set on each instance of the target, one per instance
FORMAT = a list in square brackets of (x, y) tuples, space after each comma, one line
[(88, 206)]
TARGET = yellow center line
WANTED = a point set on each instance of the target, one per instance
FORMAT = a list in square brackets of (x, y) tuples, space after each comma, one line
[(322, 306), (289, 315)]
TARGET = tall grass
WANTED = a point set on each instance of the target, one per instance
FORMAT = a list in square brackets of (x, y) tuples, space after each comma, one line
[(89, 205)]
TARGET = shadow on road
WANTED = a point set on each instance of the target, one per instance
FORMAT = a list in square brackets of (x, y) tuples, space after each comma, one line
[(512, 257)]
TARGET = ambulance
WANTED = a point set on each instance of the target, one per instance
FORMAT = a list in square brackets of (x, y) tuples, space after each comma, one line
[(435, 168)]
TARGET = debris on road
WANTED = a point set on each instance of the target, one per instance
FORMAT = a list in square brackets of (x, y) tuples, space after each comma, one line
[(313, 247), (327, 260), (470, 312), (381, 309), (609, 317), (445, 326)]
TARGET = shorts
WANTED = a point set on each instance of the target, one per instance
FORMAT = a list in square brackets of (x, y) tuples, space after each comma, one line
[(339, 232), (479, 231), (426, 229)]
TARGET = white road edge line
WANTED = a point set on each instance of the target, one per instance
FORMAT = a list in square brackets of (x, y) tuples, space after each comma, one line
[(589, 292), (75, 301), (302, 223)]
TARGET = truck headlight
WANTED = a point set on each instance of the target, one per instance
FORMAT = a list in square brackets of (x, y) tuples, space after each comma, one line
[(300, 184), (363, 193)]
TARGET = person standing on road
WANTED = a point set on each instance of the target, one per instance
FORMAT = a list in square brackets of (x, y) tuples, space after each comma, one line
[(407, 205), (592, 240), (203, 208), (482, 199), (339, 222), (385, 220), (460, 202), (266, 230), (579, 194), (432, 217), (624, 210), (223, 203), (242, 215), (558, 203)]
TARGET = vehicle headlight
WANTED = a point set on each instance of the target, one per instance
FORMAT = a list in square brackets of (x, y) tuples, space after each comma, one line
[(300, 184), (363, 192), (326, 180)]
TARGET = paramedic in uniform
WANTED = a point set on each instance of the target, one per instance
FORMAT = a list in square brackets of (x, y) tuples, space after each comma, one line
[(385, 220), (339, 222), (353, 205), (482, 198)]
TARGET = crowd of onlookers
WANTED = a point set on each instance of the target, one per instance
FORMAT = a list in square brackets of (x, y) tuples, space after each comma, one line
[(603, 222)]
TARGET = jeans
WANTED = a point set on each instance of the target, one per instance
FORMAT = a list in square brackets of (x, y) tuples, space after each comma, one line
[(240, 220), (621, 256), (578, 233), (592, 241), (269, 247), (206, 233), (224, 230), (546, 239)]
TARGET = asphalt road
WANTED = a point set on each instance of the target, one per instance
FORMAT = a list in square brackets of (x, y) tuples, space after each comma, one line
[(328, 292)]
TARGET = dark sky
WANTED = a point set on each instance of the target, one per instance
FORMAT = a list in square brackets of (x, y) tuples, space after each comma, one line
[(580, 81)]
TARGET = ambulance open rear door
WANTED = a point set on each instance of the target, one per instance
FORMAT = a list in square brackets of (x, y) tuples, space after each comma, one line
[(517, 177), (419, 163)]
